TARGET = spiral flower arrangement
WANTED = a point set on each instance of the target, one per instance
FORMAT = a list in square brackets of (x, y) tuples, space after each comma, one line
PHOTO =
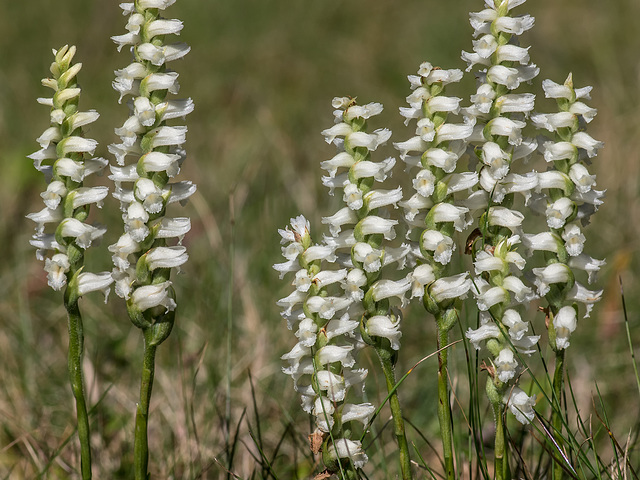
[(143, 256), (65, 160), (468, 169)]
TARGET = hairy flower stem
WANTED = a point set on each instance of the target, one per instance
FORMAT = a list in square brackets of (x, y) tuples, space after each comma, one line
[(444, 405), (500, 463), (141, 446), (386, 360), (556, 417), (76, 342)]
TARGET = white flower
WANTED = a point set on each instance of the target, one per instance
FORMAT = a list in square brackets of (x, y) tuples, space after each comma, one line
[(94, 282), (558, 212), (565, 323), (441, 245), (372, 225), (424, 182), (166, 257), (505, 217), (54, 193), (352, 196), (361, 412), (350, 449), (554, 273), (446, 288), (389, 288), (370, 258), (385, 326), (422, 275), (447, 212), (521, 405), (574, 239), (57, 267), (482, 334), (335, 353), (82, 233), (506, 365), (149, 296)]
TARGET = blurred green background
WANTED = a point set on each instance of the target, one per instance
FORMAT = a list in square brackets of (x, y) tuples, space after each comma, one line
[(262, 74)]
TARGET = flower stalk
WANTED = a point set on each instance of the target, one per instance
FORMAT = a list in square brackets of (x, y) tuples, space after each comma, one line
[(144, 257), (567, 199), (434, 214), (65, 161)]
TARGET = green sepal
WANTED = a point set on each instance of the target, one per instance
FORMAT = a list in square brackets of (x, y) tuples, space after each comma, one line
[(161, 328), (71, 294)]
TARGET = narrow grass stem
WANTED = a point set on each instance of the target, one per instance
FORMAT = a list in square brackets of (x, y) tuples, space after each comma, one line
[(76, 348), (444, 405), (385, 356), (556, 416), (141, 445)]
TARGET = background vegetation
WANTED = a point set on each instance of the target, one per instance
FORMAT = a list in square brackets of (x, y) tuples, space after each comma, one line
[(262, 74)]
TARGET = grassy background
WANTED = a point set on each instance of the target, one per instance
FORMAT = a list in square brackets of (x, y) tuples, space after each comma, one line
[(262, 74)]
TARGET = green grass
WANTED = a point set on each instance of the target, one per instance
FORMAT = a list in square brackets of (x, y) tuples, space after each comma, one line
[(262, 75)]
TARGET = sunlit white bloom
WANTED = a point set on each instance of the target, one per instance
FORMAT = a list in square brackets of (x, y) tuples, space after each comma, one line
[(588, 264), (506, 365), (441, 245), (389, 288), (521, 405), (385, 326), (565, 322), (505, 217), (446, 288), (57, 267), (166, 257), (83, 233), (481, 334), (370, 258), (554, 273), (447, 212), (355, 279), (372, 225), (421, 276), (513, 321), (149, 296), (335, 353), (350, 449), (444, 159), (558, 212), (424, 182), (94, 282)]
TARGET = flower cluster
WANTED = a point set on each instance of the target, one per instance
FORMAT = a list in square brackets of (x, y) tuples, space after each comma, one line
[(500, 115), (360, 228), (141, 256), (322, 362), (334, 327), (432, 211), (64, 159), (567, 199)]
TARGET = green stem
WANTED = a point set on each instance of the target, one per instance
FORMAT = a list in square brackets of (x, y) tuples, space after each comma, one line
[(556, 416), (141, 446), (385, 356), (76, 348), (444, 405), (500, 469)]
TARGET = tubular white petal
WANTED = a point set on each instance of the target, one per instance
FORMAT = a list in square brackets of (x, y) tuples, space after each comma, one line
[(57, 268), (455, 286), (149, 296), (166, 257), (94, 282)]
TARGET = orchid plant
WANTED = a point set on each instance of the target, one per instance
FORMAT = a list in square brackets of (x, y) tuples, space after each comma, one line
[(475, 189), (490, 142)]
